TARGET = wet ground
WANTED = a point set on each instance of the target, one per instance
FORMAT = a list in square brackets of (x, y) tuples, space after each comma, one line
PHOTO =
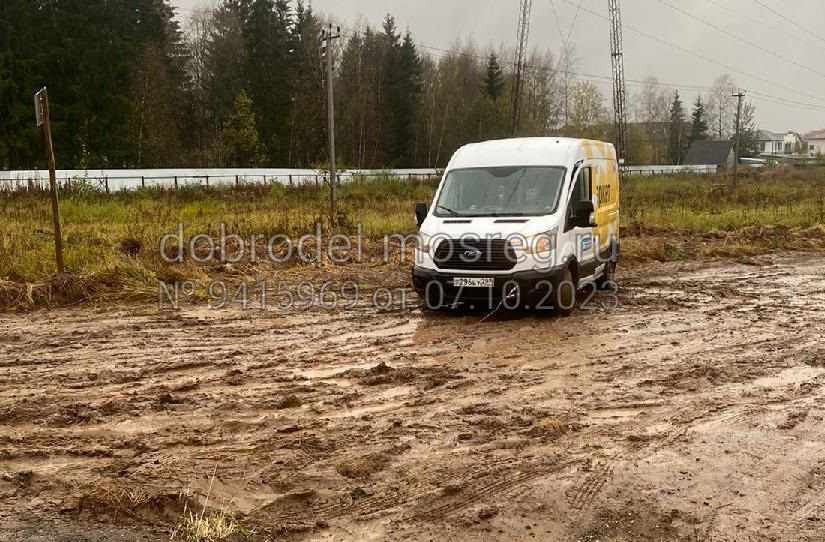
[(693, 411)]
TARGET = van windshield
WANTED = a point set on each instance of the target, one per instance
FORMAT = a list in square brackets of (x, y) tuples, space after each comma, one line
[(501, 191)]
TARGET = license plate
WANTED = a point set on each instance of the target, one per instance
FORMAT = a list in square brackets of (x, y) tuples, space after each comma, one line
[(474, 282)]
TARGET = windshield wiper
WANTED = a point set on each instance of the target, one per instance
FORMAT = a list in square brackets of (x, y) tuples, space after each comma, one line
[(454, 213)]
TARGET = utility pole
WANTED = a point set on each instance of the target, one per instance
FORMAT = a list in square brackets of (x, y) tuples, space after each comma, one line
[(41, 113), (522, 34), (327, 36), (619, 93), (739, 95)]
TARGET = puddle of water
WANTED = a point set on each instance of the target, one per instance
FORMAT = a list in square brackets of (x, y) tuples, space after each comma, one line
[(792, 375)]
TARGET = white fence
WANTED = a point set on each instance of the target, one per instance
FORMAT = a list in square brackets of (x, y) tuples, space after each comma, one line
[(669, 170), (126, 179)]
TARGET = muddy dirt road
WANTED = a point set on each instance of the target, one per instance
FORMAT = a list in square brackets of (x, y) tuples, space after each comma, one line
[(692, 412)]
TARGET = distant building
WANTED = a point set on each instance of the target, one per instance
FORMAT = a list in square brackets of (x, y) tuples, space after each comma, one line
[(816, 142), (771, 143), (774, 144), (794, 144), (718, 153)]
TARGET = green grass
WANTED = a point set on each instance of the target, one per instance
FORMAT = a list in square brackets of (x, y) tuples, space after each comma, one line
[(114, 239), (702, 204), (95, 226)]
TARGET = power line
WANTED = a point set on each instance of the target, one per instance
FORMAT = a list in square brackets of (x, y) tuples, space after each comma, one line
[(558, 23), (702, 57), (575, 18), (762, 23), (788, 102), (743, 40), (783, 16)]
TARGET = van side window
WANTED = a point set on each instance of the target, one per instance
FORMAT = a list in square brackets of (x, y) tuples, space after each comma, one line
[(584, 186), (582, 191)]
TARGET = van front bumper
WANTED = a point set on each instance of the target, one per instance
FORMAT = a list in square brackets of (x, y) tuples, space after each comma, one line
[(533, 287)]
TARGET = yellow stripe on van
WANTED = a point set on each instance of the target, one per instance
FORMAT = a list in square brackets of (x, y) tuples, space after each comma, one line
[(605, 174)]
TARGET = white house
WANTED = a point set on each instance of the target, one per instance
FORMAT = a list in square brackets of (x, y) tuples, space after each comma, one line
[(816, 142), (771, 143), (788, 144)]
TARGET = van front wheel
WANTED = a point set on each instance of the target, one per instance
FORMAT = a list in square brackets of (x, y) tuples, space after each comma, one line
[(564, 296)]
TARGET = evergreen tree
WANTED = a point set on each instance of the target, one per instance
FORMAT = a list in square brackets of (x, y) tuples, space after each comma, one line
[(224, 76), (22, 34), (391, 97), (86, 54), (308, 119), (266, 37), (677, 142), (493, 79), (406, 89), (239, 144), (698, 126)]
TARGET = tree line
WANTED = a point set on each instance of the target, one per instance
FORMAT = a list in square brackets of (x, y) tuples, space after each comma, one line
[(244, 85)]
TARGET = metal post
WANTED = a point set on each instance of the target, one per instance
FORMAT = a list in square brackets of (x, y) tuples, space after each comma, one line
[(522, 32), (327, 36), (619, 90), (176, 181), (47, 131), (739, 95), (142, 181)]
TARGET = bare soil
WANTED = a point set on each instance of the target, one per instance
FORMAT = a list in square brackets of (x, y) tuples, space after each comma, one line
[(692, 412)]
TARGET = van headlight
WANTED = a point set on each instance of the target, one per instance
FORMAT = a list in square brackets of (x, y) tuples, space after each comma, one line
[(541, 243), (423, 242)]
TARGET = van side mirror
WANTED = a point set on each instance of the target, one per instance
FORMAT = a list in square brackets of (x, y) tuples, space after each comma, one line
[(585, 214), (420, 212)]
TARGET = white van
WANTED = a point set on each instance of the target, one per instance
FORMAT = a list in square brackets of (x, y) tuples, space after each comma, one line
[(520, 222)]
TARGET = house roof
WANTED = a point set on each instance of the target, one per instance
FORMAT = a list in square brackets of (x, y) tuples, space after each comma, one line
[(765, 135), (709, 152), (816, 134)]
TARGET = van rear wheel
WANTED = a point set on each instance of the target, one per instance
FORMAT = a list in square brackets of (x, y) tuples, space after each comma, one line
[(608, 275)]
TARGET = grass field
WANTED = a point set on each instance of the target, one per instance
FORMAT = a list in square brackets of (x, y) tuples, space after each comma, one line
[(112, 241)]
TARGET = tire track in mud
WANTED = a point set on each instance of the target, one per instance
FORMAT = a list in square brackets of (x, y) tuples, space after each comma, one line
[(491, 485), (422, 499), (581, 496)]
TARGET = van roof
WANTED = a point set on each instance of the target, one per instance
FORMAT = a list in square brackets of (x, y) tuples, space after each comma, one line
[(534, 151)]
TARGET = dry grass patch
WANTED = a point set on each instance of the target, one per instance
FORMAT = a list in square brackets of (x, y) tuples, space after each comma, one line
[(207, 525)]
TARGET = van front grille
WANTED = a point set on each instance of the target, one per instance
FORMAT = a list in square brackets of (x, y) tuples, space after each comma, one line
[(475, 255)]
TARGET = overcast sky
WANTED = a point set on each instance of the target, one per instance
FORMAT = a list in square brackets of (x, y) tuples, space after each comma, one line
[(799, 76)]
